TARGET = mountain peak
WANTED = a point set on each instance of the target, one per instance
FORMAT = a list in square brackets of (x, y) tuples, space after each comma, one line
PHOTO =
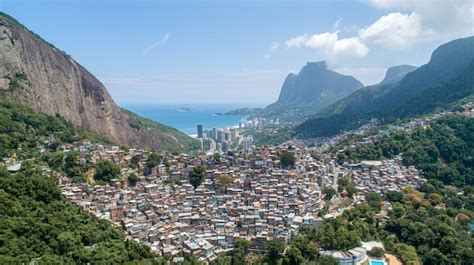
[(314, 87), (312, 67), (397, 73)]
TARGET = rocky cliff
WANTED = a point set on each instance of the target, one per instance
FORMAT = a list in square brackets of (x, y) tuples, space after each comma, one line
[(312, 89), (36, 74)]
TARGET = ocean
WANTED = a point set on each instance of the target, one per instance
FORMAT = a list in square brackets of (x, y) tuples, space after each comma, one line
[(186, 120)]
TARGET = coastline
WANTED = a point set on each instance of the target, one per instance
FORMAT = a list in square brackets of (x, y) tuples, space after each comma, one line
[(187, 122)]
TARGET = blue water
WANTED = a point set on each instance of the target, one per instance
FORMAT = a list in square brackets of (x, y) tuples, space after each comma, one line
[(376, 262), (188, 121), (472, 226)]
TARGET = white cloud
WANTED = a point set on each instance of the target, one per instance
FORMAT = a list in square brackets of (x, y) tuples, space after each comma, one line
[(425, 21), (412, 22), (329, 45), (157, 43), (396, 31), (297, 42)]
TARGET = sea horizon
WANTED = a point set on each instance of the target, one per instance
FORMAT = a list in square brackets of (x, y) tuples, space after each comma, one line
[(185, 117)]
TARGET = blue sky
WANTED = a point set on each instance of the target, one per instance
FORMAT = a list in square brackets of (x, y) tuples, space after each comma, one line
[(164, 52)]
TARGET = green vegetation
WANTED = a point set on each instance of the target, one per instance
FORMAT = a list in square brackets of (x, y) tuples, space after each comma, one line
[(240, 251), (106, 170), (15, 82), (426, 226), (23, 131), (179, 142), (273, 250), (328, 193), (269, 136), (39, 225), (287, 159), (71, 166), (134, 161), (376, 252), (445, 151), (133, 179), (347, 185), (446, 79), (416, 230), (197, 176)]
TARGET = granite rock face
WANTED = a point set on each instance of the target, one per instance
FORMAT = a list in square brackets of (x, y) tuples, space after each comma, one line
[(40, 76), (309, 91)]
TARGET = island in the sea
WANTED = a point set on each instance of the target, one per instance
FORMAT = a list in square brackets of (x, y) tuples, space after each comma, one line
[(184, 109)]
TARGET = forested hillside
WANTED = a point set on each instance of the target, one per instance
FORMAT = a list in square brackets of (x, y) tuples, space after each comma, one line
[(23, 130), (444, 151), (39, 225), (447, 78)]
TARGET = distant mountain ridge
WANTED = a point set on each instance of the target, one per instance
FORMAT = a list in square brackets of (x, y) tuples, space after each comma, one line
[(38, 75), (312, 89), (397, 73), (445, 79)]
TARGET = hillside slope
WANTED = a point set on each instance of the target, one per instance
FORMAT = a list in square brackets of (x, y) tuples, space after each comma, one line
[(36, 74), (445, 79)]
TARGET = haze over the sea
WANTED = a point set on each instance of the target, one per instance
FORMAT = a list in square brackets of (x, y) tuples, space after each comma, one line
[(186, 121)]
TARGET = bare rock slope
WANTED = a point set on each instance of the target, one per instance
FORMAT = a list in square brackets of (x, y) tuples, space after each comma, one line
[(38, 75)]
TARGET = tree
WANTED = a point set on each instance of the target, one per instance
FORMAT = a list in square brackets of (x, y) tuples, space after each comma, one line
[(71, 166), (293, 256), (55, 160), (153, 160), (273, 249), (394, 196), (329, 193), (376, 252), (374, 200), (134, 161), (133, 179), (106, 170), (29, 198), (217, 158), (240, 251), (197, 176), (287, 159), (225, 181), (327, 260), (308, 249)]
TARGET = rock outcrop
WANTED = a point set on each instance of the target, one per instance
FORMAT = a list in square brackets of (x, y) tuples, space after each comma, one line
[(312, 89), (38, 75)]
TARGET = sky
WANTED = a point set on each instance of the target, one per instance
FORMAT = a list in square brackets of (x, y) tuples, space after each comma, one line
[(177, 52)]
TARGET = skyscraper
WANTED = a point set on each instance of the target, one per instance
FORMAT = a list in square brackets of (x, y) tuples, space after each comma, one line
[(199, 130), (214, 133)]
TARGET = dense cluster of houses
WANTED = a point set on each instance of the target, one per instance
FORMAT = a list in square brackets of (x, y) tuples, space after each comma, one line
[(245, 195)]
